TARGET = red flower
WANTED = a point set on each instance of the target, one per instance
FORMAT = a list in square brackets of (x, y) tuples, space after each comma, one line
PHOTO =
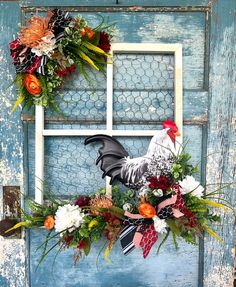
[(107, 216), (82, 244), (66, 72), (68, 239), (111, 219), (104, 42), (72, 68), (162, 182), (62, 73), (191, 217), (82, 201)]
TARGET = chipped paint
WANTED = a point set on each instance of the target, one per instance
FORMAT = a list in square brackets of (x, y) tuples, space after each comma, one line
[(221, 276), (219, 258), (12, 251), (12, 258)]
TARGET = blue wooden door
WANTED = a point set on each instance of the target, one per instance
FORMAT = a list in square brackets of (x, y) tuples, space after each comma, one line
[(206, 30)]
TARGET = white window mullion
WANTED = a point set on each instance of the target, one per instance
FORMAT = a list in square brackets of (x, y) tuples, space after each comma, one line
[(109, 112), (39, 153)]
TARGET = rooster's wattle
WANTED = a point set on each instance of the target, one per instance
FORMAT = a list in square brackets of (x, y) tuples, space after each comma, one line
[(116, 163)]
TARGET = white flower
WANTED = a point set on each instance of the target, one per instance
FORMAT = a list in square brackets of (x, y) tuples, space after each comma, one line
[(159, 224), (158, 192), (68, 217), (190, 184), (127, 207), (45, 47), (143, 191)]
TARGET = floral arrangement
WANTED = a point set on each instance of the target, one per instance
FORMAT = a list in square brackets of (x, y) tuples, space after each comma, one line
[(49, 49), (170, 202)]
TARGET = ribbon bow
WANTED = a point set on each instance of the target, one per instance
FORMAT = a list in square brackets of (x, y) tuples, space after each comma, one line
[(137, 231), (140, 231)]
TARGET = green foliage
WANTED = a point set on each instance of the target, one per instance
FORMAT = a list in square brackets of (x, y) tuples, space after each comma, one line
[(119, 197), (183, 167), (189, 236), (76, 48)]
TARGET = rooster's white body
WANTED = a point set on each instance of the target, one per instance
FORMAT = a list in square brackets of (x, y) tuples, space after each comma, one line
[(116, 163)]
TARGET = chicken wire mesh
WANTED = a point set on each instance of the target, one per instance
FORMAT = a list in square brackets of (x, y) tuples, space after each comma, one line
[(143, 96), (143, 90)]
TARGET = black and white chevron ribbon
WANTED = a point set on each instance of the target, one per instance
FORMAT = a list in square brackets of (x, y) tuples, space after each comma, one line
[(43, 61), (128, 232)]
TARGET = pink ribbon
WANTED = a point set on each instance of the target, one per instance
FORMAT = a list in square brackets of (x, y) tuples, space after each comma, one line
[(176, 212), (133, 216)]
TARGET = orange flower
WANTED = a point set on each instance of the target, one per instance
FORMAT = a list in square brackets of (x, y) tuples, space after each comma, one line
[(87, 31), (32, 84), (37, 29), (146, 209), (49, 222)]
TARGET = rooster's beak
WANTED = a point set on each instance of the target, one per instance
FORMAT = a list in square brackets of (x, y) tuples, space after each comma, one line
[(177, 134)]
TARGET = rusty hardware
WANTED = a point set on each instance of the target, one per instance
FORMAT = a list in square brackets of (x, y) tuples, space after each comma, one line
[(11, 211)]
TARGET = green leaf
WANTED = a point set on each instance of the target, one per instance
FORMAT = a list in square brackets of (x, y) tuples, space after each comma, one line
[(18, 225), (19, 100), (117, 211), (163, 241), (87, 247), (175, 241), (173, 227)]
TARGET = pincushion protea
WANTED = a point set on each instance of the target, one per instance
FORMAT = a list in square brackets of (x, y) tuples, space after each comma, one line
[(99, 202)]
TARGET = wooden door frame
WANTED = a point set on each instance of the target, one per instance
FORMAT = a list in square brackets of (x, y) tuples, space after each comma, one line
[(218, 259)]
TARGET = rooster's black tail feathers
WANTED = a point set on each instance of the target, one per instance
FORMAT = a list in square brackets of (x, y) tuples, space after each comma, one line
[(112, 155)]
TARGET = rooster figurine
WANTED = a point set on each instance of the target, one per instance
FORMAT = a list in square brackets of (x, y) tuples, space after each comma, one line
[(116, 163)]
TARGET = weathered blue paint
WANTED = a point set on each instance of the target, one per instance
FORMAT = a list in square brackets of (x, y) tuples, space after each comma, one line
[(112, 3), (219, 258), (3, 281), (12, 251), (170, 268)]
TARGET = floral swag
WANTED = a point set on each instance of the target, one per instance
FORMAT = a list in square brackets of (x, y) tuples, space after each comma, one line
[(163, 198), (49, 49)]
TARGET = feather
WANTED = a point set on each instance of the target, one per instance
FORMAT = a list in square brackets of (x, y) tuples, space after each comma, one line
[(111, 155)]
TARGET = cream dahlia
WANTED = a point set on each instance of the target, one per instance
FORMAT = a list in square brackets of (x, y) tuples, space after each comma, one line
[(68, 217), (159, 224), (190, 184)]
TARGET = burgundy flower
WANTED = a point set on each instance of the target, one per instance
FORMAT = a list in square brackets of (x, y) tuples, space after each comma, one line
[(104, 42), (107, 216), (192, 221), (162, 183), (62, 73), (72, 68), (82, 244), (67, 239), (66, 72), (82, 201)]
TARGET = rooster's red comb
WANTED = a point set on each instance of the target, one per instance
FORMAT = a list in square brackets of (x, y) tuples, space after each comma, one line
[(169, 124)]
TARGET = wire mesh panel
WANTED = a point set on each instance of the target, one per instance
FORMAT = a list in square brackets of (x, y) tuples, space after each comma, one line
[(143, 87), (81, 101)]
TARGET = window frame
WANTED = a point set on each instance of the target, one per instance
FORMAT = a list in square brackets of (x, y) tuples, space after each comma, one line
[(41, 132)]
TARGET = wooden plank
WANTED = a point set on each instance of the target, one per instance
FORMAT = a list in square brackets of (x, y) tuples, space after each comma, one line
[(117, 3), (188, 29), (12, 251), (219, 258)]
